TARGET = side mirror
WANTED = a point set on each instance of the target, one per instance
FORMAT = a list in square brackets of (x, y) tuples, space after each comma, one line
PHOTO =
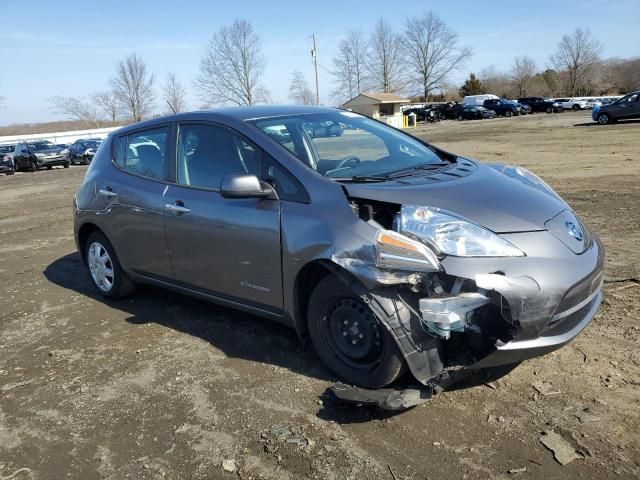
[(246, 186)]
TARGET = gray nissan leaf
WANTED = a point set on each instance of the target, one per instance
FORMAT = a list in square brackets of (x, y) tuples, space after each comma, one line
[(387, 253)]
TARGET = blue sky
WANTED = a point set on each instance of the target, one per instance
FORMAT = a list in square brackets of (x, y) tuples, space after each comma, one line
[(71, 47)]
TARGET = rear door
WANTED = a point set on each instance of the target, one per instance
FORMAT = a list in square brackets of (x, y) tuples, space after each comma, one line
[(131, 194), (627, 107), (221, 246)]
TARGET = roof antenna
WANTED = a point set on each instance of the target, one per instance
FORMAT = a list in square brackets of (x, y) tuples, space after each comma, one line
[(171, 107)]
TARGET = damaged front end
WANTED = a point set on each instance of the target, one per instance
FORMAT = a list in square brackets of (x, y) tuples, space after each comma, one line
[(457, 296)]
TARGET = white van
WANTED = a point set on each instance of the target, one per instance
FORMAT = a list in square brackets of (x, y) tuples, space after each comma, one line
[(478, 100)]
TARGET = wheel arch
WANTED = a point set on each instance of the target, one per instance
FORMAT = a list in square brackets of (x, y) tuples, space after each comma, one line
[(306, 280), (85, 230)]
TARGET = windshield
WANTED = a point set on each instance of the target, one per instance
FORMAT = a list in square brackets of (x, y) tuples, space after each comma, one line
[(91, 144), (7, 148), (41, 146), (343, 145)]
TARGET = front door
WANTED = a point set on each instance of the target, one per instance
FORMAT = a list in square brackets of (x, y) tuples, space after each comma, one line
[(226, 247)]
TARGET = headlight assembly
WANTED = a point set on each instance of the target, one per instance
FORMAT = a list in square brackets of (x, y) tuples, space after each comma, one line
[(448, 234)]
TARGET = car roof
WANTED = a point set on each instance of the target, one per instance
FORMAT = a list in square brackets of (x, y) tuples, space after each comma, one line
[(243, 113)]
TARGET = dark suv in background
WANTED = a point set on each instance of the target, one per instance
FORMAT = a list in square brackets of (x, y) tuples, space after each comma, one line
[(82, 151), (541, 104), (39, 154), (504, 107)]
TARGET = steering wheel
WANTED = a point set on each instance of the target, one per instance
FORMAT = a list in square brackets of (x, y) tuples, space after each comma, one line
[(351, 158)]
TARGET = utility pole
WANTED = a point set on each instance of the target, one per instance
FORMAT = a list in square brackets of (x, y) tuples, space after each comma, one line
[(314, 55)]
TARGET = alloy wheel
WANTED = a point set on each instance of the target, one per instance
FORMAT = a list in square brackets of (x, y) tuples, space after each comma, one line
[(100, 266)]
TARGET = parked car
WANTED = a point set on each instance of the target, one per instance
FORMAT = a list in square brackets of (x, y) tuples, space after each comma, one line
[(82, 151), (593, 102), (65, 148), (38, 154), (449, 111), (424, 114), (6, 159), (7, 152), (541, 104), (572, 103), (475, 113), (387, 252), (502, 106), (626, 108)]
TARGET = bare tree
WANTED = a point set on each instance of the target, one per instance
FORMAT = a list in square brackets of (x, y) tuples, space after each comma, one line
[(349, 66), (432, 51), (522, 74), (385, 58), (174, 93), (577, 54), (76, 108), (231, 67), (133, 87), (107, 102), (496, 82), (299, 90)]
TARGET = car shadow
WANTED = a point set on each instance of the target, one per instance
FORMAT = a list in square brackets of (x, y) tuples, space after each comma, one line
[(237, 334), (596, 124)]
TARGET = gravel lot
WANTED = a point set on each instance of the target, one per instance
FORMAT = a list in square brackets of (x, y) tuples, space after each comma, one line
[(166, 386)]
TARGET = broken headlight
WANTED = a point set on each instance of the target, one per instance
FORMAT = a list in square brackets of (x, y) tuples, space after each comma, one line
[(449, 234)]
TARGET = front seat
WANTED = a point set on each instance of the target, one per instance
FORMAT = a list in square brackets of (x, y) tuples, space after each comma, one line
[(215, 157)]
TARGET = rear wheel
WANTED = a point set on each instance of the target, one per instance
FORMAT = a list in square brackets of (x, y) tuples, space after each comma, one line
[(33, 166), (66, 164), (349, 338), (460, 118), (85, 160), (575, 108), (49, 167), (508, 113), (105, 269), (549, 109)]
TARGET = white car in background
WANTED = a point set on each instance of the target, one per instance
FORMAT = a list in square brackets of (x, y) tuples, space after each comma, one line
[(572, 103), (593, 102)]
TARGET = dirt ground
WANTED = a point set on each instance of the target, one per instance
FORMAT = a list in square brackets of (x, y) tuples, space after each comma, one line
[(161, 385)]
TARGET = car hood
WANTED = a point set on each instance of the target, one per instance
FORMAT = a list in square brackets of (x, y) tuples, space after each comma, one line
[(50, 151), (498, 197)]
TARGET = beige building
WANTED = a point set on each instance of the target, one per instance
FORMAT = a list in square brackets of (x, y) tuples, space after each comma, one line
[(381, 106)]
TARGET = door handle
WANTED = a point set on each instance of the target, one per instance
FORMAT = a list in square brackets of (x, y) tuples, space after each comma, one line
[(177, 209), (107, 192)]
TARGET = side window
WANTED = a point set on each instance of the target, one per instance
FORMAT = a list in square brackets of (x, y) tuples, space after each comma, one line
[(143, 153), (207, 153)]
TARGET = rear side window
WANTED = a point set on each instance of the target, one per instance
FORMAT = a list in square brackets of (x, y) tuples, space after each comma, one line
[(143, 153)]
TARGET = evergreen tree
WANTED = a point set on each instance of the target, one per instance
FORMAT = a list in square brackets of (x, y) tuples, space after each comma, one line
[(472, 86)]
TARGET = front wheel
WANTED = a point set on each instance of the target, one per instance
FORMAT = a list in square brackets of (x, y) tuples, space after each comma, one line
[(575, 108), (66, 164), (349, 338), (460, 118), (508, 113), (105, 269), (604, 119)]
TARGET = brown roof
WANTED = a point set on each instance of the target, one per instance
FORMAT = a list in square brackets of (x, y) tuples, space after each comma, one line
[(385, 97)]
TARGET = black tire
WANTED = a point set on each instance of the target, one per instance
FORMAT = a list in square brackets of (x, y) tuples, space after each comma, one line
[(33, 166), (11, 172), (85, 161), (66, 165), (575, 108), (49, 167), (460, 118), (121, 285), (604, 119), (549, 109), (361, 351), (508, 113)]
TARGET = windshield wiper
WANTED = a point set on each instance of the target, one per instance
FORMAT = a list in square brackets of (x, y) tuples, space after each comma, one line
[(425, 166), (367, 178)]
